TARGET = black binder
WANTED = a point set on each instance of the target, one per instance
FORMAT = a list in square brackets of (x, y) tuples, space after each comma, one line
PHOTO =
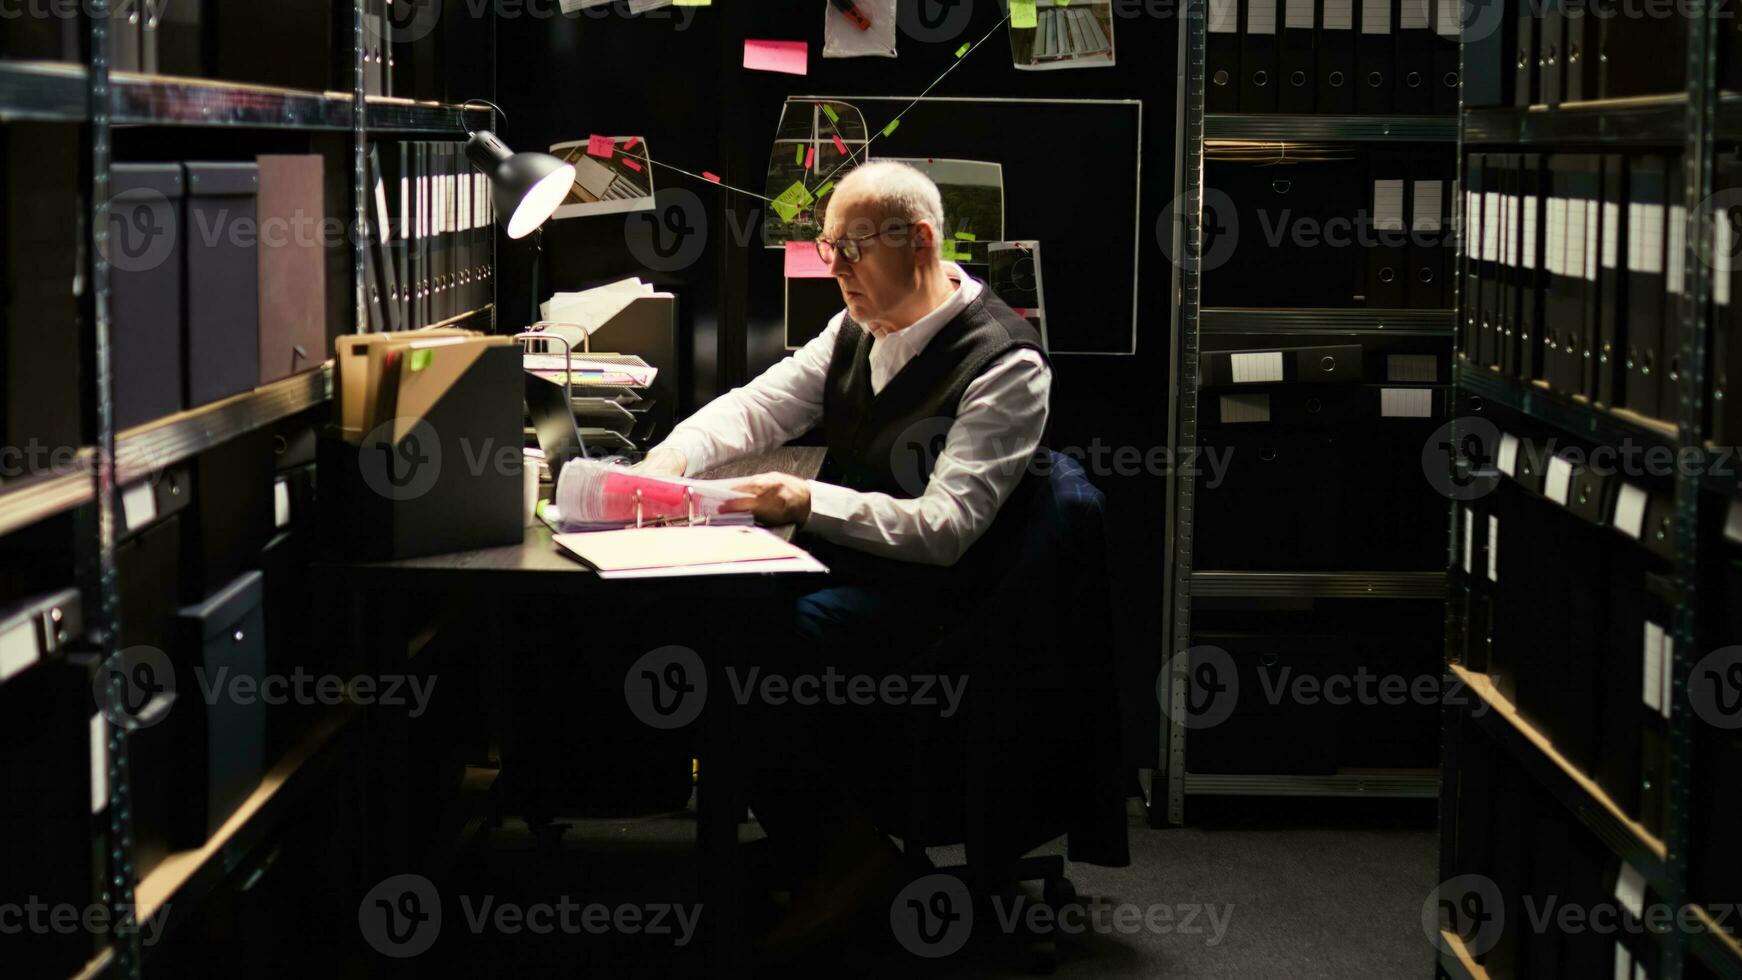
[(1640, 55), (1611, 284), (1526, 66), (1725, 406), (1533, 277), (1336, 57), (382, 244), (1447, 26), (1375, 54), (1564, 310), (1646, 229), (1222, 57), (1587, 191), (1489, 51), (1490, 309), (1258, 44), (1550, 51), (1298, 78), (1581, 43), (1675, 239), (1388, 250), (1469, 329), (1413, 78), (1430, 191), (1508, 266)]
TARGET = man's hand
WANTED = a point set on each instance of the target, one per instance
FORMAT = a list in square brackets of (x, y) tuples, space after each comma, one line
[(781, 498), (662, 462)]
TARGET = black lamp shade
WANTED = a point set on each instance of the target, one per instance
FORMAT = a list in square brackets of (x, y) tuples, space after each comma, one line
[(528, 186)]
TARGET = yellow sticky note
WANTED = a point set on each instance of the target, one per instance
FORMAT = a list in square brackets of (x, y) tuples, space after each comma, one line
[(1022, 14), (792, 200)]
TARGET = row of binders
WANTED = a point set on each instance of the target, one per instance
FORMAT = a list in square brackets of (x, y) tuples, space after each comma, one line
[(433, 252), (1574, 275), (1333, 56)]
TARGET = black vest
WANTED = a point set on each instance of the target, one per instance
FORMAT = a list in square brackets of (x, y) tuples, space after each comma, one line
[(889, 441)]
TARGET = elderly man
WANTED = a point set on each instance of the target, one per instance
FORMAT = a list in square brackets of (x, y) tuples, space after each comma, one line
[(921, 351)]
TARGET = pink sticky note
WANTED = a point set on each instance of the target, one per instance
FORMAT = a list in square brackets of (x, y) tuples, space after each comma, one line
[(840, 147), (710, 175), (631, 164), (790, 57), (803, 262), (601, 146), (629, 144), (810, 157)]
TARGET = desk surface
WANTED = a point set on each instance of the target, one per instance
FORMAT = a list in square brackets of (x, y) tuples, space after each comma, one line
[(537, 564)]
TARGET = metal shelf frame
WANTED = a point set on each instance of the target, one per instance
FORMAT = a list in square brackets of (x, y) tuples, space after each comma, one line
[(1688, 122), (1330, 129), (1318, 585), (1254, 320), (1410, 784)]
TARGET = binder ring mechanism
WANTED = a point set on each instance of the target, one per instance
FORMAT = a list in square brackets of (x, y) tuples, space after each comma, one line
[(688, 520)]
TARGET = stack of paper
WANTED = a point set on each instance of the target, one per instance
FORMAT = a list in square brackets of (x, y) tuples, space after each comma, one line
[(659, 552), (591, 494), (591, 309)]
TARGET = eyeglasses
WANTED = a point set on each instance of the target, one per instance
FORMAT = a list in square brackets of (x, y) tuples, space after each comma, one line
[(848, 247)]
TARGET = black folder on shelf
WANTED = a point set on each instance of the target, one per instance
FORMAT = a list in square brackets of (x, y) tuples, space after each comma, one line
[(1675, 238), (222, 333), (1525, 61), (1375, 57), (1580, 58), (1488, 308), (1610, 355), (1550, 51), (1588, 200), (1488, 56), (1561, 306), (1474, 271), (1445, 73), (1296, 75), (1430, 192), (382, 243), (1222, 57), (1413, 79), (1645, 280), (1258, 45), (1387, 250), (1642, 55), (1333, 364), (1532, 261), (1507, 268), (1335, 55), (1722, 365), (145, 216)]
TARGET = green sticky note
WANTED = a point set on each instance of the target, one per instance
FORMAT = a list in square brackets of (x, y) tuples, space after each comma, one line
[(829, 110), (891, 127), (964, 49), (421, 359), (799, 159), (792, 200), (825, 189), (966, 237), (1022, 14)]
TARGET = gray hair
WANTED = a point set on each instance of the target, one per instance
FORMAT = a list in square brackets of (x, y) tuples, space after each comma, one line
[(899, 190)]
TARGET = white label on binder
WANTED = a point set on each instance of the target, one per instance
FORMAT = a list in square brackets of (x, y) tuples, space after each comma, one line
[(1508, 456), (1630, 890), (1245, 408), (1469, 540), (99, 763), (1388, 205), (1406, 403), (280, 502), (1733, 522), (1645, 238), (1256, 367), (1611, 234), (1677, 251), (1530, 211), (1509, 246), (1299, 15), (1723, 257), (1412, 15), (138, 505), (18, 648), (1429, 200), (1448, 20), (1630, 511), (1375, 17), (1640, 972), (1422, 368), (1339, 15), (1490, 226), (382, 227), (404, 207), (1666, 676), (1261, 16), (1554, 248), (1574, 266), (1623, 962), (1224, 17), (1493, 548), (1560, 476), (1591, 242), (1652, 662)]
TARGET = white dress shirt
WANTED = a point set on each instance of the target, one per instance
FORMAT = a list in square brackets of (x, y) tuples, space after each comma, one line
[(998, 424)]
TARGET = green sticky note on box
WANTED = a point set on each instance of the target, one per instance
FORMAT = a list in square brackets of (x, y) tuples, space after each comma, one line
[(421, 359), (792, 200), (1022, 14)]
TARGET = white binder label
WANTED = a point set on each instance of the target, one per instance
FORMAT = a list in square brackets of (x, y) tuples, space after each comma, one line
[(1723, 257), (1299, 15), (1469, 540), (1261, 16), (138, 505), (1576, 239), (1531, 208), (1623, 963), (1490, 226), (1508, 460), (1554, 246), (1339, 15), (1733, 522), (1509, 247), (1224, 17), (1406, 403), (1677, 251), (1245, 408), (1388, 205), (1448, 21), (1591, 244), (1666, 676), (1429, 201), (1257, 367), (1493, 548), (1412, 15), (1640, 973), (1422, 368), (1375, 17), (1630, 511), (1645, 238), (1652, 654), (99, 763), (18, 649), (1630, 890), (280, 502), (1560, 476), (1611, 234)]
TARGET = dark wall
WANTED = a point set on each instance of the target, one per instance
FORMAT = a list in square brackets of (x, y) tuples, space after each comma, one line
[(675, 77)]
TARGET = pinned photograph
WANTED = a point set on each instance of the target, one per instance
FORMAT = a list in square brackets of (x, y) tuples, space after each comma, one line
[(1013, 275), (1047, 35), (813, 145), (612, 176)]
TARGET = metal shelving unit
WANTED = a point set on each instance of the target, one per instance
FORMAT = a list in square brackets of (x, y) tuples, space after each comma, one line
[(1687, 122), (1191, 324)]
